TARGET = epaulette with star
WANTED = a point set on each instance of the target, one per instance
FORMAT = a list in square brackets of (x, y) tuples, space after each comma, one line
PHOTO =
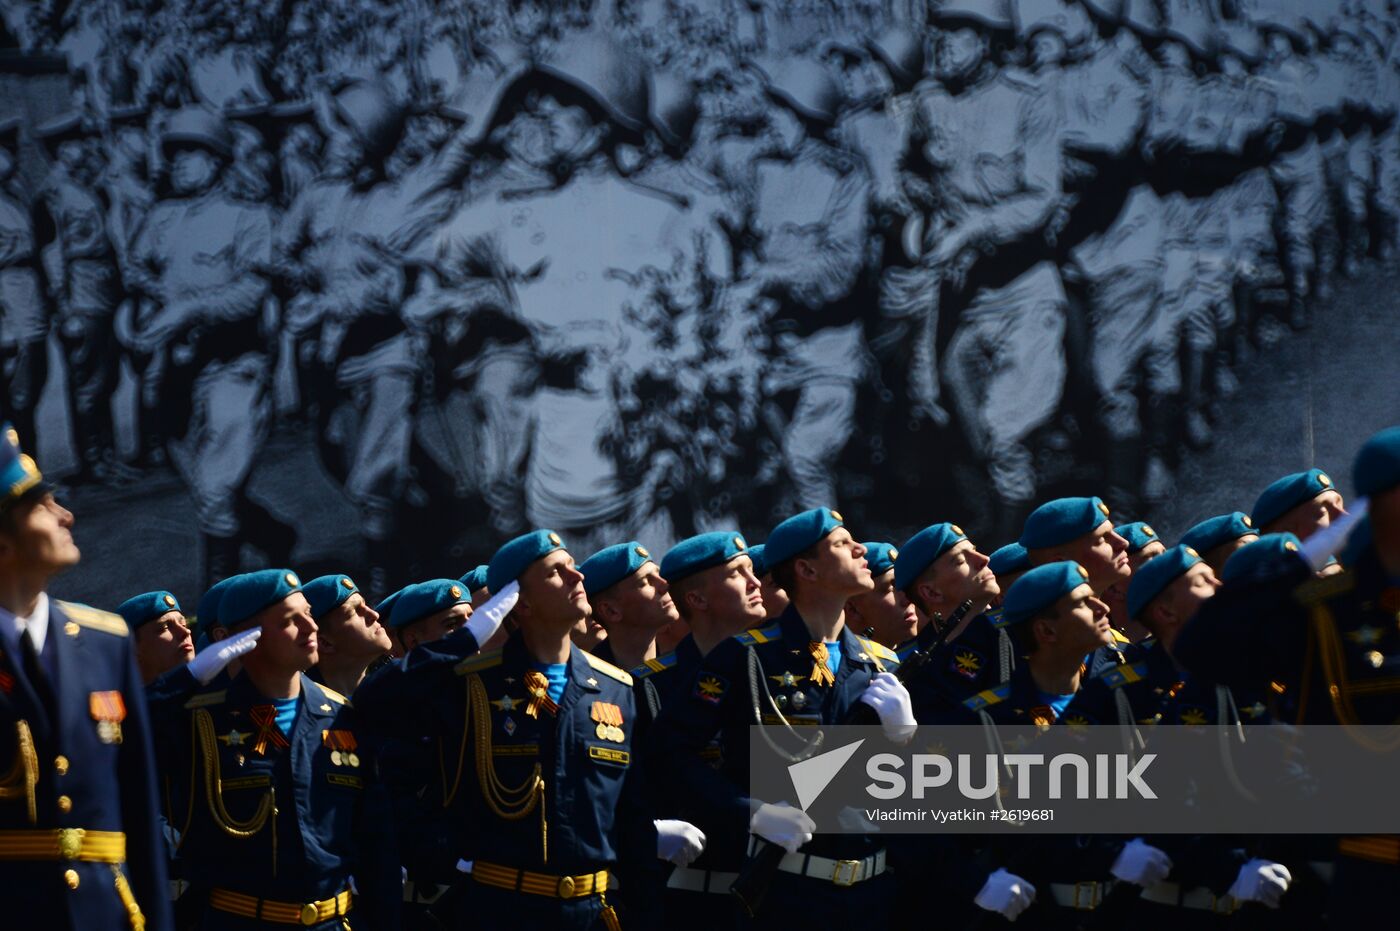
[(658, 664), (1316, 591), (988, 697), (1118, 636), (608, 669), (996, 619), (93, 619), (478, 662), (1123, 674), (764, 634), (334, 696), (205, 699), (878, 650)]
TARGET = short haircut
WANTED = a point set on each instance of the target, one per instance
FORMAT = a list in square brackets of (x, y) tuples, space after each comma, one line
[(785, 573)]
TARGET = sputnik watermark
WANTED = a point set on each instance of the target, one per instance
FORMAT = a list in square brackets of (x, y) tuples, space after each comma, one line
[(1114, 775)]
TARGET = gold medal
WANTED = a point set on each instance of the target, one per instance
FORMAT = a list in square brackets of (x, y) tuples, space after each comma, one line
[(335, 757), (352, 758), (602, 731)]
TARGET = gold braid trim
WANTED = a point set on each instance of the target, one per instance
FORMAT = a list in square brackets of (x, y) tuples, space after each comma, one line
[(24, 772), (214, 787), (509, 803), (1332, 655), (133, 911)]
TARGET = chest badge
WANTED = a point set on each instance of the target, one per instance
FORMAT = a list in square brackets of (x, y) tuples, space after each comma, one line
[(799, 700), (234, 738), (787, 680), (264, 717), (109, 711), (609, 719), (342, 745), (506, 703), (508, 725)]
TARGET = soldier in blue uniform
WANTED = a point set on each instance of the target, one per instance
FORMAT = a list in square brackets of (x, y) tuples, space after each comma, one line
[(352, 637), (811, 669), (1008, 563), (939, 569), (1216, 538), (1143, 544), (632, 601), (80, 846), (719, 596), (287, 823), (428, 611), (550, 802), (1055, 619), (162, 636), (1328, 644), (775, 600), (1301, 503), (885, 615)]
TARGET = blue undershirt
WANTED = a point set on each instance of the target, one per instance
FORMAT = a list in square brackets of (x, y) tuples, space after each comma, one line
[(286, 713), (557, 675), (1057, 703), (833, 657)]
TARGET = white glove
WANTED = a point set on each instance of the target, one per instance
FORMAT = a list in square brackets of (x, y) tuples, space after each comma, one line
[(1006, 893), (1141, 864), (208, 663), (783, 825), (678, 842), (486, 620), (1262, 881), (1330, 540), (891, 701)]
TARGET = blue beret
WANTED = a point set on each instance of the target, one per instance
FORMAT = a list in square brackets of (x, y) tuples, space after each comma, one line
[(513, 558), (880, 557), (143, 609), (18, 472), (611, 565), (1287, 493), (1377, 465), (1040, 588), (426, 599), (698, 553), (1138, 534), (476, 579), (385, 608), (798, 533), (327, 592), (1057, 522), (1152, 578), (207, 611), (1209, 534), (1010, 558), (249, 593), (759, 554), (920, 550), (1271, 548)]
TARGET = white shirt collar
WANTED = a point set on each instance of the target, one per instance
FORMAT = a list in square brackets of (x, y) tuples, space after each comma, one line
[(37, 624)]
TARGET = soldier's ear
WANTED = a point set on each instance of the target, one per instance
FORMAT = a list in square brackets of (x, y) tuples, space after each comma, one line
[(805, 569), (929, 593), (696, 600), (606, 612), (1043, 629)]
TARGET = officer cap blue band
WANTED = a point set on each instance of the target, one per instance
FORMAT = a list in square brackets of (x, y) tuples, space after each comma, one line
[(880, 557), (1153, 576), (1377, 465), (920, 551), (327, 592), (798, 533), (18, 472), (144, 608), (513, 558), (1058, 522), (759, 554), (1010, 558), (1270, 549), (1224, 528), (698, 553), (249, 593), (1039, 589), (476, 579), (612, 564), (1287, 493), (1138, 534), (207, 611), (425, 599)]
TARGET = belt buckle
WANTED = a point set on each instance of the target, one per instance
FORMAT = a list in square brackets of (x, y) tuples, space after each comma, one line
[(566, 887), (70, 843), (310, 914), (1093, 895), (850, 867)]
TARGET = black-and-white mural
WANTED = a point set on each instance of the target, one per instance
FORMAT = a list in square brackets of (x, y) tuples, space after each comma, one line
[(379, 283)]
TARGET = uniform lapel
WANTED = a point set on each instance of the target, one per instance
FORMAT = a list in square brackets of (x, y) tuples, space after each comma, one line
[(69, 650), (319, 710)]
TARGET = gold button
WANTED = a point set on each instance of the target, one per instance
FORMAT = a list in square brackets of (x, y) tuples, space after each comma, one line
[(310, 914), (71, 878), (60, 765), (566, 887), (65, 804)]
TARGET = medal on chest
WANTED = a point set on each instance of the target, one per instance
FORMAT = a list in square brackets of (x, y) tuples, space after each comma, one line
[(342, 745), (609, 720), (108, 710)]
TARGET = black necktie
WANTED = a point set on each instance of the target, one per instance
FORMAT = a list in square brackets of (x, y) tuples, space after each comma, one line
[(34, 672)]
